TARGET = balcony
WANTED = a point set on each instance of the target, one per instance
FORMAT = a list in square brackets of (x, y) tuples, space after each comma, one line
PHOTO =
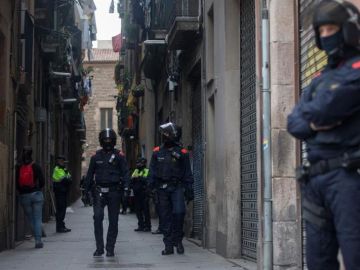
[(179, 18)]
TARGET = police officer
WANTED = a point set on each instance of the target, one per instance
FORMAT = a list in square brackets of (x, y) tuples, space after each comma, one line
[(111, 173), (170, 173), (139, 184), (61, 183), (327, 118)]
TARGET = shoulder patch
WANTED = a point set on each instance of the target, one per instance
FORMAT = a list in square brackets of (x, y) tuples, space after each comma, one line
[(184, 151), (156, 149), (356, 65)]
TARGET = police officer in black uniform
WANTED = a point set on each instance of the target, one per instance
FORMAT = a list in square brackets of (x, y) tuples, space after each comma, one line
[(327, 118), (170, 173), (111, 173)]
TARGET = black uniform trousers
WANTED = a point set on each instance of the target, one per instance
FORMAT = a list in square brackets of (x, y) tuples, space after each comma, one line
[(112, 200), (338, 192), (142, 208), (172, 213), (61, 204)]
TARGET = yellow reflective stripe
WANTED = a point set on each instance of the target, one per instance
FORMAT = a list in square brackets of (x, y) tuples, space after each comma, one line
[(135, 173), (145, 173)]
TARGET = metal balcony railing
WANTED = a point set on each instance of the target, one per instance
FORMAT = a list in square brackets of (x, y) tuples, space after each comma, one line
[(164, 12)]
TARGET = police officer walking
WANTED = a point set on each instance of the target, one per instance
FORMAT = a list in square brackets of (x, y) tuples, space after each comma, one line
[(170, 173), (139, 184), (327, 118), (61, 183), (107, 174)]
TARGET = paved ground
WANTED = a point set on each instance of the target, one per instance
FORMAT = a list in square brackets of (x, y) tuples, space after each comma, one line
[(135, 251)]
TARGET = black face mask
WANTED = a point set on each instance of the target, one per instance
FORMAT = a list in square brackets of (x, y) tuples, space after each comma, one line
[(333, 45), (108, 146)]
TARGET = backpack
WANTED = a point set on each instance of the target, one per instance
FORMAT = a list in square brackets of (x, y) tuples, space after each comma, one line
[(26, 176)]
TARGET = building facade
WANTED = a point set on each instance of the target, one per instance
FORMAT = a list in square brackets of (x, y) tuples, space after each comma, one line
[(42, 98), (101, 111), (201, 65)]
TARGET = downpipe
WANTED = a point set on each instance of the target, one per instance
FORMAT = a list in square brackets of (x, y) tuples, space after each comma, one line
[(266, 140)]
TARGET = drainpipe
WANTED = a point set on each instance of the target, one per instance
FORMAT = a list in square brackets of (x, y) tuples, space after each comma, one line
[(266, 130)]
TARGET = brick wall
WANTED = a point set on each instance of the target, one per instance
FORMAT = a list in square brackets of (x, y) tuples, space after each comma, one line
[(103, 92)]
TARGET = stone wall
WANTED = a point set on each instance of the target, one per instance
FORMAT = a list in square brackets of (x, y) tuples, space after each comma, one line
[(103, 92), (287, 248)]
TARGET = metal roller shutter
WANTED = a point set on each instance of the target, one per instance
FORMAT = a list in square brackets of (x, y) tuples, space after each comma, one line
[(197, 164), (249, 214), (311, 61)]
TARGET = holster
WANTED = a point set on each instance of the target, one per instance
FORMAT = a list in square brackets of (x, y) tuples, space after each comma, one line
[(351, 160), (302, 173)]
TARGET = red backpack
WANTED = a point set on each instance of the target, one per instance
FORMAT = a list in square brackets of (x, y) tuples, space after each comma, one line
[(26, 176)]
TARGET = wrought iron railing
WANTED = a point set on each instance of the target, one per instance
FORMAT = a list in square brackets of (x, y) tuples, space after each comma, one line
[(164, 12)]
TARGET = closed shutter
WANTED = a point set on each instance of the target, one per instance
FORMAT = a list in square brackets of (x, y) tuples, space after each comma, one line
[(249, 214), (197, 164), (311, 60)]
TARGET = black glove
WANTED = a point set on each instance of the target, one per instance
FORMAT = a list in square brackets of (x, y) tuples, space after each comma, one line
[(189, 194)]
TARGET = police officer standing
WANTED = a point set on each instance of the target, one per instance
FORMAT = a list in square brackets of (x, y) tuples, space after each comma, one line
[(61, 183), (170, 173), (107, 176), (139, 184), (327, 118)]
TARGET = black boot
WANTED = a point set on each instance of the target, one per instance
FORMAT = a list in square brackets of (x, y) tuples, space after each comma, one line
[(98, 252), (139, 229), (168, 250), (63, 230), (180, 248), (110, 253)]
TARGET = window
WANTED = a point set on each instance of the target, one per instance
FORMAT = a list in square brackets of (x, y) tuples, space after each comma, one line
[(106, 118)]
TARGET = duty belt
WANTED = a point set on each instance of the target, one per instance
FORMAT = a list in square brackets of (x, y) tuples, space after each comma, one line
[(326, 165), (103, 189), (169, 182)]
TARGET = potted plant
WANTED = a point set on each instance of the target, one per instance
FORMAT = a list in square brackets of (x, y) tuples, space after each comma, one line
[(138, 91)]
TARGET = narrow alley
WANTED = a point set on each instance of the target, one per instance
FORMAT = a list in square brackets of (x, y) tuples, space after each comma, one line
[(73, 251)]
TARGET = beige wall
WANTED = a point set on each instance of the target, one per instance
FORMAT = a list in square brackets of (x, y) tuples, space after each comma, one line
[(286, 225), (147, 120), (223, 126), (103, 92)]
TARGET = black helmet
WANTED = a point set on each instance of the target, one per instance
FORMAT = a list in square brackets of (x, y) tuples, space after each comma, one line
[(341, 13), (141, 162), (107, 139), (169, 131)]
